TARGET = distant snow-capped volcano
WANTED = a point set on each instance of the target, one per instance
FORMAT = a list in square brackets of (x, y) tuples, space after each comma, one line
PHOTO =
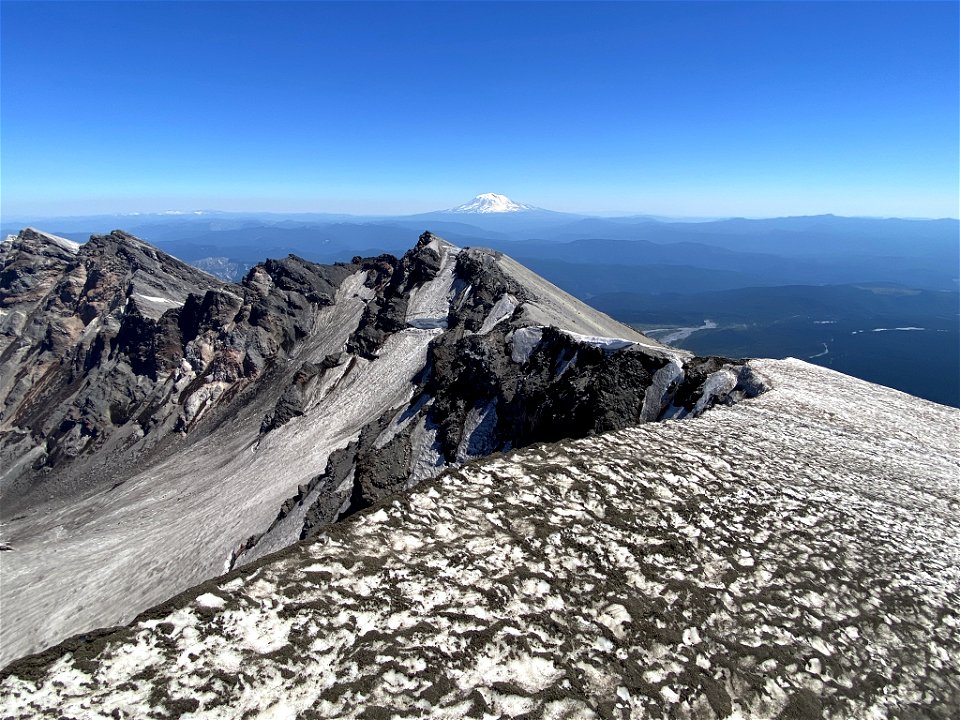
[(492, 203)]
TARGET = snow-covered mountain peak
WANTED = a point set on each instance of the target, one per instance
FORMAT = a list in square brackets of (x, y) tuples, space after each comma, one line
[(492, 203)]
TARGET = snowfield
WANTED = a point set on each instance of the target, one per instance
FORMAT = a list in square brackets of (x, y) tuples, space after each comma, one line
[(796, 555)]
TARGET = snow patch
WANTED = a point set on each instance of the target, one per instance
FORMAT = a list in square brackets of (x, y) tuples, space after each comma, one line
[(209, 600), (501, 310), (478, 432), (155, 299), (429, 304), (61, 242), (523, 342), (606, 343), (717, 384), (658, 395)]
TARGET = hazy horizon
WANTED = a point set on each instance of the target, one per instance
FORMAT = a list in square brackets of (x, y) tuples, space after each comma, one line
[(611, 214)]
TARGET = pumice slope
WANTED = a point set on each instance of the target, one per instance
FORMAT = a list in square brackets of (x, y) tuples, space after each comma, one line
[(796, 555), (160, 427)]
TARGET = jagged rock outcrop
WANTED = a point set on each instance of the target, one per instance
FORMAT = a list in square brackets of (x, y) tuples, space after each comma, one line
[(87, 332), (112, 347), (492, 381), (160, 426), (793, 557)]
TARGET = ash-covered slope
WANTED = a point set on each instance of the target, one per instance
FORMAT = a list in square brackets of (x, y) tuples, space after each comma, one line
[(161, 427), (796, 555)]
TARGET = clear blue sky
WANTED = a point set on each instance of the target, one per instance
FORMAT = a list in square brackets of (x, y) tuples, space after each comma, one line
[(672, 108)]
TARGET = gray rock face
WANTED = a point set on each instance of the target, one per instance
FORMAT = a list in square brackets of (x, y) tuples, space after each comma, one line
[(113, 348), (160, 426), (87, 333), (478, 394), (796, 555)]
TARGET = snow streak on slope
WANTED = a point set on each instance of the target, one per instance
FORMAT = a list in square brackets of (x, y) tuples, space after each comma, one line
[(796, 555)]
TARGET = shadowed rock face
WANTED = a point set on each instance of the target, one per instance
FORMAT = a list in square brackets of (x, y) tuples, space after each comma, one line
[(160, 426), (793, 556)]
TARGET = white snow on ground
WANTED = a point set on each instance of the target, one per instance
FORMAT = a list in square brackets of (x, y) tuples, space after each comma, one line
[(478, 434), (793, 555), (154, 306), (501, 310), (425, 451), (429, 305), (655, 397), (523, 342), (607, 343), (719, 383), (154, 299), (405, 415)]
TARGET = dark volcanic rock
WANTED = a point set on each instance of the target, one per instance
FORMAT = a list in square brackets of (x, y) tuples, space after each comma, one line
[(394, 279), (108, 342), (159, 425), (481, 392)]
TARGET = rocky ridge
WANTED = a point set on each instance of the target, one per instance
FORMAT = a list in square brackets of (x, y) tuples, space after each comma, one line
[(160, 426), (112, 347), (794, 556), (494, 379)]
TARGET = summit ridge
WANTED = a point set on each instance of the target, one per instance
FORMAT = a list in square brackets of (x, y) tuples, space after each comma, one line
[(735, 566), (214, 423)]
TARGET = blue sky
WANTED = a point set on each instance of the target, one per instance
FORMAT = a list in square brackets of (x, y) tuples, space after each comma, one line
[(685, 109)]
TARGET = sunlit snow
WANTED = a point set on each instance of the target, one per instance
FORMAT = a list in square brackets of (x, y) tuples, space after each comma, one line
[(793, 555)]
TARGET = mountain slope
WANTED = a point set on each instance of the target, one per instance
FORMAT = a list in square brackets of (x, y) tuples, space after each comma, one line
[(77, 351), (491, 203), (245, 417), (796, 555)]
